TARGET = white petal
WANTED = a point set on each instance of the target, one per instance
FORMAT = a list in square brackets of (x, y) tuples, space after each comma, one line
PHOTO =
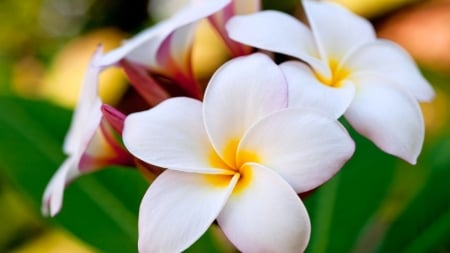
[(85, 122), (143, 46), (54, 192), (177, 209), (180, 46), (146, 43), (389, 60), (337, 31), (240, 93), (306, 91), (278, 32), (219, 20), (305, 147), (166, 52), (87, 114), (389, 116), (265, 216), (171, 135)]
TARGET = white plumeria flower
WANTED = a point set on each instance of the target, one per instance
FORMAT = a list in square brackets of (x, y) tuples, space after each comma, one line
[(165, 48), (346, 70), (89, 142), (239, 157)]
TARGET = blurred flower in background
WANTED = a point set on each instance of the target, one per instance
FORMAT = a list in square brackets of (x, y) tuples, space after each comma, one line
[(45, 46)]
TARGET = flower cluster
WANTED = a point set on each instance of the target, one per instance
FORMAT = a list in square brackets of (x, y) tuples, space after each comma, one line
[(263, 131)]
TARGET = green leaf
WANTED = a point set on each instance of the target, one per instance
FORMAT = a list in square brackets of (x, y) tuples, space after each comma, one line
[(100, 208), (424, 225), (341, 208)]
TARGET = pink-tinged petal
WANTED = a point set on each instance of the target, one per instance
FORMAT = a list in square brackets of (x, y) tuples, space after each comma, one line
[(240, 93), (103, 149), (219, 19), (180, 47), (178, 208), (142, 48), (144, 84), (87, 114), (304, 146), (389, 116), (337, 31), (278, 32), (114, 117), (265, 214), (172, 135), (389, 60), (54, 192), (90, 141), (85, 123), (306, 91), (173, 59)]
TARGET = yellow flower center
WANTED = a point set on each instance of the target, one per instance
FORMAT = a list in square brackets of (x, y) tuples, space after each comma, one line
[(338, 75), (235, 163)]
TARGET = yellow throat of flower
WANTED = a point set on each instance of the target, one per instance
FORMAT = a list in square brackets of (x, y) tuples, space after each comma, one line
[(236, 164), (338, 75)]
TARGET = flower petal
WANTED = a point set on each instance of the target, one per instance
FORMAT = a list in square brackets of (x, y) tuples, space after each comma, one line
[(87, 114), (85, 123), (304, 146), (278, 32), (177, 209), (336, 30), (173, 59), (389, 60), (240, 93), (114, 117), (306, 91), (146, 43), (171, 135), (263, 30), (389, 116), (180, 47), (142, 47), (147, 87), (103, 149), (265, 216), (219, 19), (53, 194)]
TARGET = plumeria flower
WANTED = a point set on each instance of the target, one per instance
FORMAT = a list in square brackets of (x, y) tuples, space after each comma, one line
[(90, 142), (165, 50), (345, 70), (240, 157)]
